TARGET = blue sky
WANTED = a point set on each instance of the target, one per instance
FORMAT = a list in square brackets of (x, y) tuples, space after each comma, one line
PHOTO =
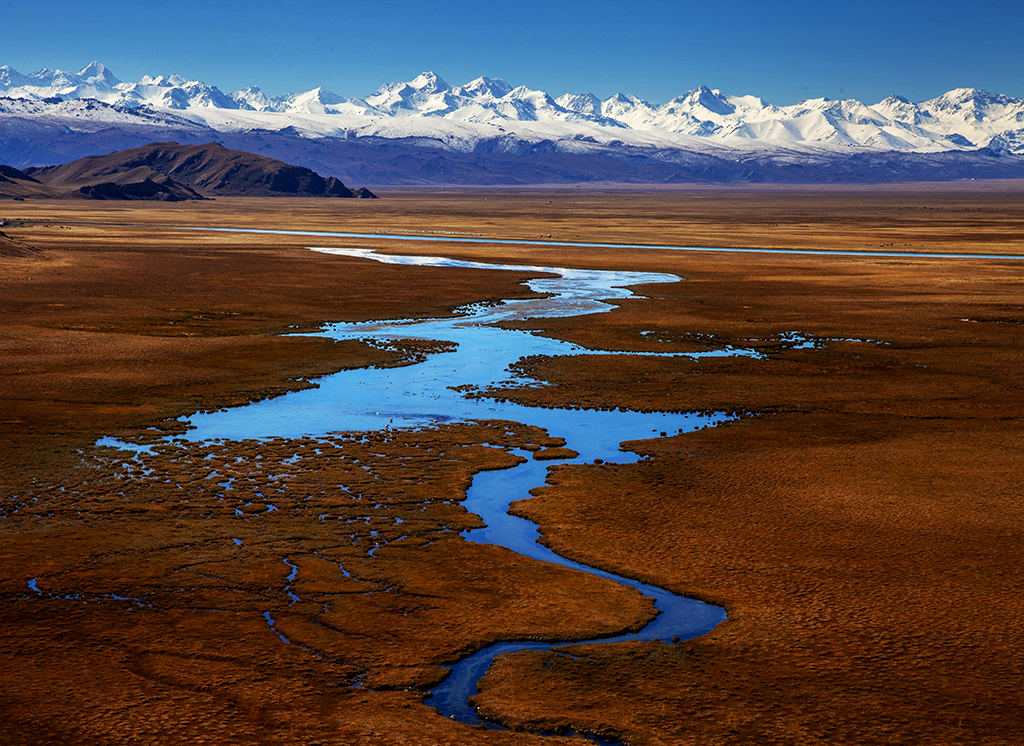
[(783, 51)]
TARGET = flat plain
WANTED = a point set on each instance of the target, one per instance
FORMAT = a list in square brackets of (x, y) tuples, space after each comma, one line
[(861, 522)]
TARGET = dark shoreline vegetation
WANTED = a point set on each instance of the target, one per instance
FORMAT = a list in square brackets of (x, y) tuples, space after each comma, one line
[(863, 531)]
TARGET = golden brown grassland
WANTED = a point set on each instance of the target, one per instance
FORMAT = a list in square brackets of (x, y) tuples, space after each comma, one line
[(863, 528)]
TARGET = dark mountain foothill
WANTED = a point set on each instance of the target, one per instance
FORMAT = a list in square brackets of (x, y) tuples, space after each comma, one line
[(18, 185), (165, 191), (9, 175), (172, 172)]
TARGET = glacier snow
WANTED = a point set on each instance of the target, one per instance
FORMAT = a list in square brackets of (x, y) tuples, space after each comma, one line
[(487, 109)]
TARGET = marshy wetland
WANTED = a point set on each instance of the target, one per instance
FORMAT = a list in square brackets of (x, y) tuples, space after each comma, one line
[(857, 516)]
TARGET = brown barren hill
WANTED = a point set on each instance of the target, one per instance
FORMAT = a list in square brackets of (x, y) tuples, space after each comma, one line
[(189, 172), (18, 185)]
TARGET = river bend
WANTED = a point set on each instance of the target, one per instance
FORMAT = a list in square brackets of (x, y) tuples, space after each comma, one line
[(431, 392)]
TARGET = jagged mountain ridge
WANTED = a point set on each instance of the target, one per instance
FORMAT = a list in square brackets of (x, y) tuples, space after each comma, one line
[(426, 131), (963, 119)]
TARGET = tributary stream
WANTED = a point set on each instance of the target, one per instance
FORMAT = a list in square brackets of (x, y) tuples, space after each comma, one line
[(432, 391)]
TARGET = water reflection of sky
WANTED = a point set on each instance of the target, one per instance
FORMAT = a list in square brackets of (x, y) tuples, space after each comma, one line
[(420, 394), (431, 391)]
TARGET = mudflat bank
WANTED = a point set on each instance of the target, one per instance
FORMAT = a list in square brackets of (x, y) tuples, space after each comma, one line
[(862, 530)]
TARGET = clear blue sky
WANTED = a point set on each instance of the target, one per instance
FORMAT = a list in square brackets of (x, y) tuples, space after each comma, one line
[(782, 51)]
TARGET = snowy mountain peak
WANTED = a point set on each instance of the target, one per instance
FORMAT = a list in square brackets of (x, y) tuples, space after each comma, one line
[(324, 96), (901, 110), (894, 101), (313, 102), (426, 94), (704, 98), (484, 87), (429, 82), (975, 105), (251, 98), (11, 78), (523, 92), (162, 81), (959, 98), (97, 73), (966, 96), (586, 104), (625, 98)]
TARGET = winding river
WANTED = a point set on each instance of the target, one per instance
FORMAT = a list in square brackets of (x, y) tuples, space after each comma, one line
[(431, 391)]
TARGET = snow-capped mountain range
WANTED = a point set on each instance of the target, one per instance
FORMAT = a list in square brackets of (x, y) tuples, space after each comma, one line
[(490, 116)]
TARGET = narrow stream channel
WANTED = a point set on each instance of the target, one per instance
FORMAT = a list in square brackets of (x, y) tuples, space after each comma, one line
[(431, 392), (425, 393)]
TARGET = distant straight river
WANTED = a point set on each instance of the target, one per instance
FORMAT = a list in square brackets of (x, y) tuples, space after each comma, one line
[(584, 245)]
